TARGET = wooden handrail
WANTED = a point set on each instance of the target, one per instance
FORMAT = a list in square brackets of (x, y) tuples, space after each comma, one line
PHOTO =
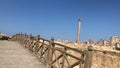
[(54, 54)]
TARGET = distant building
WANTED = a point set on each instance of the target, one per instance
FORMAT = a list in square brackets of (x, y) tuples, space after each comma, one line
[(102, 43), (106, 43), (90, 41), (114, 40)]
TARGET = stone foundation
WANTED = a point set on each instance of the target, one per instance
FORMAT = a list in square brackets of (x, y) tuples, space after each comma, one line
[(106, 60)]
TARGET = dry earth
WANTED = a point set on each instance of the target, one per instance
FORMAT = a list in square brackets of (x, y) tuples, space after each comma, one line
[(12, 55)]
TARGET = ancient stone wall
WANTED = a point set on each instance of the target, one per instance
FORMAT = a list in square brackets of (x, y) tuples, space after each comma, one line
[(106, 60)]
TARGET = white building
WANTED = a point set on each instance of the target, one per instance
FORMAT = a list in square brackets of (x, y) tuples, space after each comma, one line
[(114, 40)]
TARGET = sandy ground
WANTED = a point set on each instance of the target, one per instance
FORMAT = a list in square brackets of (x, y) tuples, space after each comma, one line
[(12, 55)]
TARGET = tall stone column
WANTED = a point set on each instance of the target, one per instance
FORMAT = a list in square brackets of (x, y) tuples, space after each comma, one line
[(78, 32)]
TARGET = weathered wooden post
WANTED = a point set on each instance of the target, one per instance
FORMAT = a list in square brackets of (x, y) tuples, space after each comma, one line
[(42, 48), (63, 59), (21, 38), (16, 36), (16, 39), (29, 41), (25, 35), (25, 42), (88, 59), (25, 38), (38, 37), (50, 52), (30, 36), (36, 46)]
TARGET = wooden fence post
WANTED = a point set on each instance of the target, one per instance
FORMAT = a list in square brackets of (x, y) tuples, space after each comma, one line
[(30, 41), (64, 56), (36, 47), (88, 59), (38, 37), (21, 36), (30, 36), (50, 52), (24, 39)]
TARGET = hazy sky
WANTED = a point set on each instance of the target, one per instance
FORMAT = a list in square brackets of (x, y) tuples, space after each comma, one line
[(59, 18)]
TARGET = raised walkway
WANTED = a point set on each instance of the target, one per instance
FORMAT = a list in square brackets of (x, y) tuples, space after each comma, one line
[(12, 55)]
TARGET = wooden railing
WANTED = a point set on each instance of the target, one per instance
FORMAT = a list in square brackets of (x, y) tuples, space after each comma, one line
[(55, 55)]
